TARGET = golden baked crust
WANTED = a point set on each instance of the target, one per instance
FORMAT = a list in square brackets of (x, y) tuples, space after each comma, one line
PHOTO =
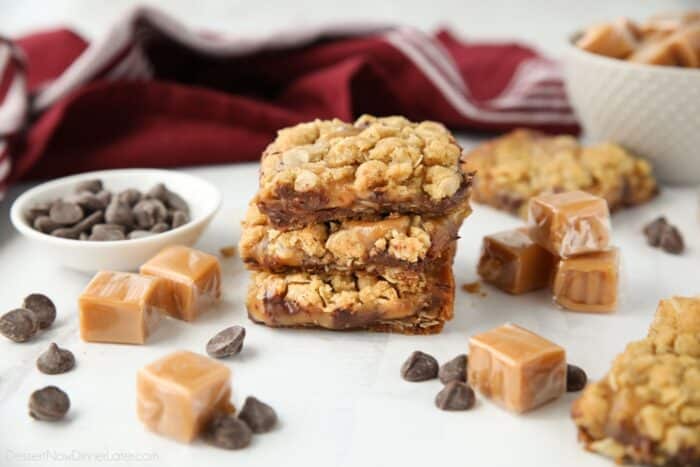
[(410, 242), (386, 303), (522, 164), (647, 408), (332, 170)]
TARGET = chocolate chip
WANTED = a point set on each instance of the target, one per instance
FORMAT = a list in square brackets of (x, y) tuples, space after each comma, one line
[(93, 186), (419, 367), (55, 360), (176, 202), (227, 342), (105, 197), (43, 308), (160, 227), (65, 232), (106, 234), (149, 212), (38, 209), (19, 325), (45, 224), (456, 395), (575, 378), (119, 213), (130, 196), (654, 229), (672, 241), (49, 404), (454, 370), (87, 200), (159, 192), (179, 218), (259, 416), (228, 432), (89, 222), (83, 236), (65, 213), (135, 234)]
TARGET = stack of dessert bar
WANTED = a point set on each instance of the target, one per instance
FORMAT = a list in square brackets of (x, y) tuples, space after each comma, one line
[(355, 226)]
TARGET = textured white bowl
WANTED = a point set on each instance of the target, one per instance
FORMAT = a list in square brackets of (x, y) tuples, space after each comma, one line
[(652, 110), (124, 255)]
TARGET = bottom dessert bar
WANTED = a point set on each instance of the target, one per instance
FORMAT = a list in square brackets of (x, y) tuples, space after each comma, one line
[(647, 408), (354, 301)]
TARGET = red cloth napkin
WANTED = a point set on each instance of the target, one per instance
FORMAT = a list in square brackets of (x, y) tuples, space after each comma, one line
[(153, 92)]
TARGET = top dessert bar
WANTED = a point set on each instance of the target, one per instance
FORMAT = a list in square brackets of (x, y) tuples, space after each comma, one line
[(522, 164), (331, 170)]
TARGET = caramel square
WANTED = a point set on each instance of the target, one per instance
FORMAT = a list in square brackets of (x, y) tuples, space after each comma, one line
[(588, 282), (179, 393), (512, 262), (570, 223), (617, 40), (119, 307), (191, 277), (516, 368)]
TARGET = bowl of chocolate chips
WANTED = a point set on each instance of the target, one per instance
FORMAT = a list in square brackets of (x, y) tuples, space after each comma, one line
[(114, 219)]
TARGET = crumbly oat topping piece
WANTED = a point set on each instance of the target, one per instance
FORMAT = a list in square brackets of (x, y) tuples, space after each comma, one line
[(409, 241), (524, 163), (647, 408), (332, 164)]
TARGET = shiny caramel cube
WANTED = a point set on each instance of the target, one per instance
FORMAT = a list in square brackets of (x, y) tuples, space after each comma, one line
[(617, 39), (191, 277), (120, 307), (179, 393), (516, 368), (655, 52), (587, 282), (570, 223), (512, 262)]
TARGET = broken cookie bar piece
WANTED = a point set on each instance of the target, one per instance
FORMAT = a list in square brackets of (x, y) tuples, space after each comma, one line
[(516, 368), (410, 242), (514, 168), (646, 410), (676, 327), (120, 307), (588, 282), (191, 278), (512, 262), (178, 394), (569, 223), (331, 170), (385, 302)]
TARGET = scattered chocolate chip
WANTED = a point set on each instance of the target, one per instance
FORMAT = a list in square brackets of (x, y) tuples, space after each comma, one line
[(92, 186), (149, 212), (228, 432), (65, 213), (45, 224), (672, 241), (419, 367), (456, 395), (575, 378), (160, 227), (134, 234), (179, 218), (65, 232), (227, 342), (43, 308), (19, 325), (49, 404), (55, 360), (259, 416), (228, 251), (454, 370), (119, 213), (654, 229), (130, 196)]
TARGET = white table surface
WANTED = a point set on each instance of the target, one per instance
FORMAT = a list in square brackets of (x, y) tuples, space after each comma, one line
[(339, 395)]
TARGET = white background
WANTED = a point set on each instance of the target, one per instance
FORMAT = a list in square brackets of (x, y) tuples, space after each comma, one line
[(339, 396)]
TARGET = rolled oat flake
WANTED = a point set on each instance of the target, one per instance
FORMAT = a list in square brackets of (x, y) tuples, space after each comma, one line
[(43, 308), (49, 404), (55, 360), (227, 342), (19, 325)]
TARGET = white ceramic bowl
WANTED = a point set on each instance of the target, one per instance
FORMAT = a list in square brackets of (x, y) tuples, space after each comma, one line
[(124, 255), (654, 111)]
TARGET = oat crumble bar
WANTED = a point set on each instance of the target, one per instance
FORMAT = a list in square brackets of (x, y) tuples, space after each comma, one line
[(647, 408), (410, 242), (522, 164), (331, 170), (385, 303)]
